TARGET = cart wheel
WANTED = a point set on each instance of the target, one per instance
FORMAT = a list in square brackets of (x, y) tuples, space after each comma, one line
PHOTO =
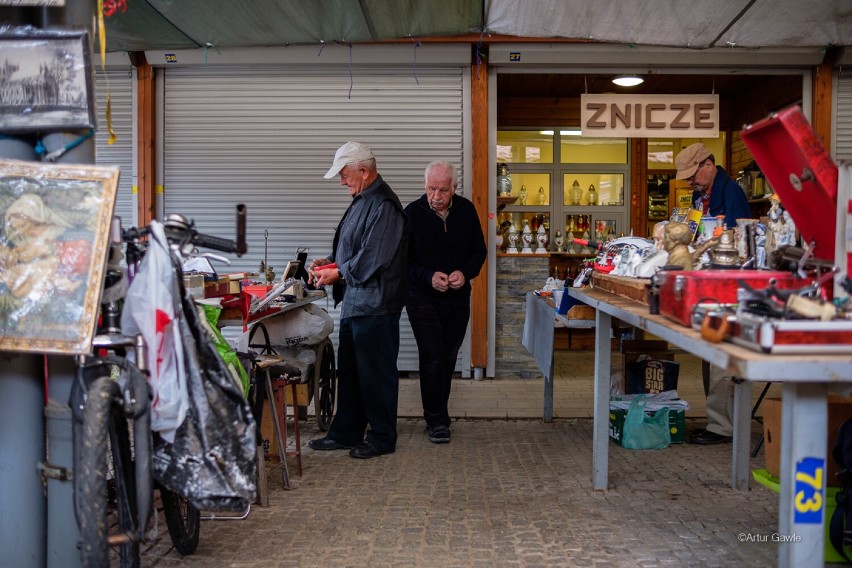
[(325, 386)]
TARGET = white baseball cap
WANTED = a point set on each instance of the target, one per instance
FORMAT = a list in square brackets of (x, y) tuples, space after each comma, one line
[(349, 153)]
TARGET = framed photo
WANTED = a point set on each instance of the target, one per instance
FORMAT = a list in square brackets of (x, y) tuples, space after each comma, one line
[(54, 240), (46, 81)]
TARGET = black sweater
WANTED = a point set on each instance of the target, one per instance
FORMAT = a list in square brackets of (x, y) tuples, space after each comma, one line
[(443, 245)]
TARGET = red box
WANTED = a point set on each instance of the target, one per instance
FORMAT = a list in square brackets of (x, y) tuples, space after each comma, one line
[(681, 290), (801, 171)]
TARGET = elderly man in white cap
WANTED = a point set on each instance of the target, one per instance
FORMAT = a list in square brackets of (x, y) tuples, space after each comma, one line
[(714, 193), (367, 269)]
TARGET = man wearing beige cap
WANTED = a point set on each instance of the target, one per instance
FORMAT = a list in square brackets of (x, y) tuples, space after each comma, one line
[(714, 193), (370, 278)]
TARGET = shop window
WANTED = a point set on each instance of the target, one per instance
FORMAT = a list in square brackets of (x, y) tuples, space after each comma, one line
[(582, 150), (525, 146), (543, 195)]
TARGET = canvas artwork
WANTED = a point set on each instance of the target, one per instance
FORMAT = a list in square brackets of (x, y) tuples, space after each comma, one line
[(45, 81), (54, 238)]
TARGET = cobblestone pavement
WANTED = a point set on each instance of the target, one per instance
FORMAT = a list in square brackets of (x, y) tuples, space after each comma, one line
[(502, 493)]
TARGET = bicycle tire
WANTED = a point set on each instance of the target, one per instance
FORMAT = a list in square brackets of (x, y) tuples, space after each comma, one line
[(105, 428), (182, 519)]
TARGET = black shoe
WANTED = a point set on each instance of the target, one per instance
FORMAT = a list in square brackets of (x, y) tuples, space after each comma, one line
[(327, 444), (707, 437), (365, 451), (438, 434)]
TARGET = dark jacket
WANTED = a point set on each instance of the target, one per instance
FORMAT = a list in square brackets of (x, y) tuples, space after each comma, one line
[(726, 198), (370, 249), (443, 245)]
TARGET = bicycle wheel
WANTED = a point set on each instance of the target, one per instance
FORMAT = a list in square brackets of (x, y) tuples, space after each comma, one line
[(325, 381), (183, 520), (105, 430)]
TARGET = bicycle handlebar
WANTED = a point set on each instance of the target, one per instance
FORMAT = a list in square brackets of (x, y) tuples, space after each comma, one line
[(180, 230)]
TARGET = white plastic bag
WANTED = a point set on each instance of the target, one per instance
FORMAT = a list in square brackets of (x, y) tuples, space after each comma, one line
[(152, 308), (306, 325)]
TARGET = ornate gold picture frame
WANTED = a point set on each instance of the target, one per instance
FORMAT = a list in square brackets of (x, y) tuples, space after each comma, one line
[(54, 238)]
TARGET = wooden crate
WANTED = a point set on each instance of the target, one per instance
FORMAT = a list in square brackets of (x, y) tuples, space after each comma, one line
[(632, 288)]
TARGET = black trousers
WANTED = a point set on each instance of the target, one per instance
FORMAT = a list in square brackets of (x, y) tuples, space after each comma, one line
[(368, 382), (439, 331)]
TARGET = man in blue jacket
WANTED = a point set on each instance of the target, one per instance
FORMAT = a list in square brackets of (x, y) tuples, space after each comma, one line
[(714, 193), (369, 250), (446, 251)]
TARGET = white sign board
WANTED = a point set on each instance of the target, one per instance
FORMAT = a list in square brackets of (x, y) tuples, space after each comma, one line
[(650, 116)]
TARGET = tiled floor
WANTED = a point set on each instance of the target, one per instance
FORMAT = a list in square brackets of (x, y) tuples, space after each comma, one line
[(573, 391)]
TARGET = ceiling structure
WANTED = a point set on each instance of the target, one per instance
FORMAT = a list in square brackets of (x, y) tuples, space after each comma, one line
[(694, 24)]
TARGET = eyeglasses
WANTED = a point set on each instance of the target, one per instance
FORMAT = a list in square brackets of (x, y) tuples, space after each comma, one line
[(700, 165), (441, 190)]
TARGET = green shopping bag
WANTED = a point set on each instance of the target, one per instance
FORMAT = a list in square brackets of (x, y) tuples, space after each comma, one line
[(644, 432)]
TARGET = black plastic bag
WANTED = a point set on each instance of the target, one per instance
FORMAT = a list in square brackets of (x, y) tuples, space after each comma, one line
[(213, 459)]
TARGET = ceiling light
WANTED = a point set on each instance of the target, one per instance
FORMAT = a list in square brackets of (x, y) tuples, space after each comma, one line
[(571, 132), (628, 80)]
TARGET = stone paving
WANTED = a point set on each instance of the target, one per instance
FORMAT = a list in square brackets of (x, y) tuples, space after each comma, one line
[(502, 493)]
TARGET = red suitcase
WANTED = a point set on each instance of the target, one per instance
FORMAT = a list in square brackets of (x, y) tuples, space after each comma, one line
[(801, 172), (681, 290)]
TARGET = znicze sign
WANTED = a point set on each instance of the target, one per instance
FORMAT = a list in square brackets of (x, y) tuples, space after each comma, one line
[(650, 116)]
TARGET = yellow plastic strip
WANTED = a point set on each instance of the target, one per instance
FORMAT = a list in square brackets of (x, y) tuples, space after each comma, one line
[(158, 189), (102, 40)]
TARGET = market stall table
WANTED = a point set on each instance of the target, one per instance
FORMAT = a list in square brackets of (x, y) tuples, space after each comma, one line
[(807, 380), (538, 339)]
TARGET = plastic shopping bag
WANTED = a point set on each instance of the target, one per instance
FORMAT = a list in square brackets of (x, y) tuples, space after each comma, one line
[(212, 461), (643, 432), (152, 308)]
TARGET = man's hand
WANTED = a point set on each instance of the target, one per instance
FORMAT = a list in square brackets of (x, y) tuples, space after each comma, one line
[(440, 281), (456, 279), (314, 275)]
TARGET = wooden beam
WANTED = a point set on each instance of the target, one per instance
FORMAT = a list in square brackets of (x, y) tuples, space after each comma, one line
[(821, 111), (145, 96), (479, 167)]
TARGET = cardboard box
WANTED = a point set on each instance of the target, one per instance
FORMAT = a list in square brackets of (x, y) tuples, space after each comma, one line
[(677, 425), (839, 411)]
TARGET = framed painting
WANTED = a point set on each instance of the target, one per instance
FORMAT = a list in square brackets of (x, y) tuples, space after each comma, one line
[(46, 81), (54, 239)]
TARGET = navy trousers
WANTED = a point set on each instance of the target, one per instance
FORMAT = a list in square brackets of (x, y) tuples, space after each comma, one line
[(368, 382), (439, 331)]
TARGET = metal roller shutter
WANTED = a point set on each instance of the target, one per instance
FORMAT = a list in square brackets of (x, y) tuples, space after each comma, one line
[(264, 136), (120, 153), (843, 119)]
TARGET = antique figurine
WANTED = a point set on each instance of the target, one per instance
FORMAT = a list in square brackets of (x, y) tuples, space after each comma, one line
[(676, 242)]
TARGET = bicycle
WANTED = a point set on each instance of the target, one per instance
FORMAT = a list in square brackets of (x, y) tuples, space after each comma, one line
[(111, 409)]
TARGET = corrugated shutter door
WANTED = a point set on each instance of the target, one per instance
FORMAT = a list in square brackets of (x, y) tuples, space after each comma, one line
[(120, 153), (843, 122), (265, 137)]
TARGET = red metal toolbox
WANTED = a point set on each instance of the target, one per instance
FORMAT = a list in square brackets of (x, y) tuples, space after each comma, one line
[(801, 172), (680, 290)]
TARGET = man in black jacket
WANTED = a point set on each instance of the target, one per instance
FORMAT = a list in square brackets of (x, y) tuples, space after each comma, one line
[(369, 251), (446, 251)]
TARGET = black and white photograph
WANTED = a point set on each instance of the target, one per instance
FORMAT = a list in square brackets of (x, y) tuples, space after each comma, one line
[(45, 81)]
